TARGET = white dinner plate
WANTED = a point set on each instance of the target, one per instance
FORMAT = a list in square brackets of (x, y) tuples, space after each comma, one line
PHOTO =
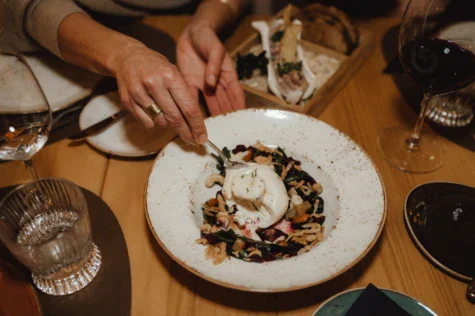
[(355, 202), (462, 30), (126, 137), (62, 83)]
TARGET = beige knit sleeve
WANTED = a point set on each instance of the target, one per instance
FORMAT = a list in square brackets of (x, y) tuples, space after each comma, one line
[(43, 18), (13, 36), (26, 23)]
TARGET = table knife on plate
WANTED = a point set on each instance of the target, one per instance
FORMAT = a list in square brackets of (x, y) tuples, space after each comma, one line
[(98, 127)]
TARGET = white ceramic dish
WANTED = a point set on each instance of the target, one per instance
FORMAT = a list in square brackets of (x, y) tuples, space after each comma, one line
[(355, 204), (62, 83), (126, 137), (461, 30)]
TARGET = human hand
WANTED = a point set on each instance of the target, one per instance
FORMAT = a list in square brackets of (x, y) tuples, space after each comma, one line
[(145, 77), (206, 66)]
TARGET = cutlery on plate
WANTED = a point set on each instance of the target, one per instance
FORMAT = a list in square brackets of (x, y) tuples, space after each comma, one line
[(98, 127), (104, 85), (229, 164)]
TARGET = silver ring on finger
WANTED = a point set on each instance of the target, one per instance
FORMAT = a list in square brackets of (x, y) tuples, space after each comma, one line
[(153, 111)]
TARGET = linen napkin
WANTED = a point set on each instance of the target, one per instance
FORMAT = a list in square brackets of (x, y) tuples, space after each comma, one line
[(373, 302)]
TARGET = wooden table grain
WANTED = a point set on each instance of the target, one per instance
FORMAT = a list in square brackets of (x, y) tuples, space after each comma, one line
[(369, 103)]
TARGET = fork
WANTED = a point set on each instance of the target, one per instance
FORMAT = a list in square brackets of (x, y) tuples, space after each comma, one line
[(229, 164)]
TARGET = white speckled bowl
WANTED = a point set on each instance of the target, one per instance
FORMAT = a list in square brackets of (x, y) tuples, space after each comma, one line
[(355, 204)]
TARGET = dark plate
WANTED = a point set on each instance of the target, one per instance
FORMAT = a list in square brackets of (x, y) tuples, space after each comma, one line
[(440, 217), (110, 292), (341, 303), (17, 296)]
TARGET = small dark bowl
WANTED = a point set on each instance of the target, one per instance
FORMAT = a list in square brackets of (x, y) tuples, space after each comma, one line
[(440, 217)]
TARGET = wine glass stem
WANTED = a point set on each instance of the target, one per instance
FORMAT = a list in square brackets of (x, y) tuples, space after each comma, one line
[(414, 141), (31, 168)]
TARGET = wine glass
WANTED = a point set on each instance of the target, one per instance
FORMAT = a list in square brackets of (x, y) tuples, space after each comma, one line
[(25, 115), (439, 66)]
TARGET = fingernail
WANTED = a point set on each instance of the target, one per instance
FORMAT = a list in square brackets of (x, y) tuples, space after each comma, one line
[(203, 138), (212, 80)]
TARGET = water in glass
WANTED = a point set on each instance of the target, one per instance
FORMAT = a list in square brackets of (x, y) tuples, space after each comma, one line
[(45, 224), (25, 115)]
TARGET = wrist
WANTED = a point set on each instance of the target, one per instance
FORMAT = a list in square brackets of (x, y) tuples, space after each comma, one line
[(215, 14), (196, 25), (124, 47)]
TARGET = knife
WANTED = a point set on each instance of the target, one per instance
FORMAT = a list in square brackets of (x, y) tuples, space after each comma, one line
[(104, 86), (98, 127)]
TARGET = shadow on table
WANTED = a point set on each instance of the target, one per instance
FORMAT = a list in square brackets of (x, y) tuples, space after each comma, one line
[(264, 302), (153, 38)]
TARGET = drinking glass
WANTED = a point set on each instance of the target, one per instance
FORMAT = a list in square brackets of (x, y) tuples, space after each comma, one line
[(439, 66), (45, 225), (25, 115)]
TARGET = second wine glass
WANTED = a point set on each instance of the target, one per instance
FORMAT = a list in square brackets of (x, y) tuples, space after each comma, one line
[(439, 66), (25, 115)]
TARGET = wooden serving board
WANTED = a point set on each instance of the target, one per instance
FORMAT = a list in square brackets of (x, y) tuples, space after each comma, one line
[(321, 98)]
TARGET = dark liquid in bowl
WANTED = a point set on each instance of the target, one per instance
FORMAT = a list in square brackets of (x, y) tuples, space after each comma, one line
[(447, 226)]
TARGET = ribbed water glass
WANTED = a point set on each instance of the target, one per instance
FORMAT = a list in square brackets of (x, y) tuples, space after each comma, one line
[(45, 224)]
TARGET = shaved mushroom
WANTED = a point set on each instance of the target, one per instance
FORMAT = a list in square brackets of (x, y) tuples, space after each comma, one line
[(311, 225), (201, 241), (213, 179), (255, 252), (221, 205), (221, 254), (302, 251), (206, 228), (212, 202), (223, 218), (208, 212), (302, 208), (311, 237), (262, 160), (301, 219), (302, 182), (286, 170), (317, 188), (292, 192), (258, 145), (238, 245)]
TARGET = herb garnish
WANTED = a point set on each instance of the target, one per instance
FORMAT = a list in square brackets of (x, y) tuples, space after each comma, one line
[(246, 64)]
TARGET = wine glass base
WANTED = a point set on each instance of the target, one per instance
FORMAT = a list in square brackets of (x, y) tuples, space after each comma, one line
[(73, 282), (426, 157)]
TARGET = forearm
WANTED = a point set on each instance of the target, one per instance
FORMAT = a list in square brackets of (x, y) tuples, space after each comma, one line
[(217, 13), (88, 44)]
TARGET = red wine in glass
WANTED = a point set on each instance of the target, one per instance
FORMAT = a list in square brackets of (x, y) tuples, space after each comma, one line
[(439, 66)]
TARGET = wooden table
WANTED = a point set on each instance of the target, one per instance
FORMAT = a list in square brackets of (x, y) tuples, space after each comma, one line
[(369, 103)]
